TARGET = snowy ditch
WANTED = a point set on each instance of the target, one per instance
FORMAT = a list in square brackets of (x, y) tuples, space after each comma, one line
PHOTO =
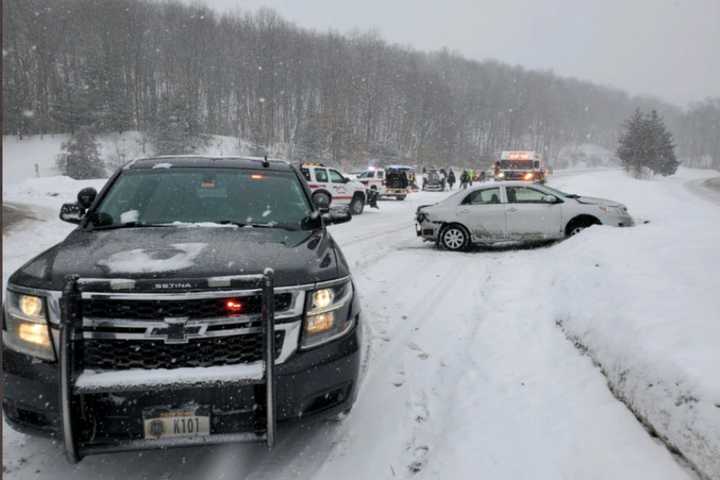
[(643, 304), (616, 388)]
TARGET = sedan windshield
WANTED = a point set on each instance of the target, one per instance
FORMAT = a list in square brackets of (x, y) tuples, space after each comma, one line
[(204, 195)]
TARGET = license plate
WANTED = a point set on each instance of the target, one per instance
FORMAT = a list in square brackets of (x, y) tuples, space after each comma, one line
[(173, 424)]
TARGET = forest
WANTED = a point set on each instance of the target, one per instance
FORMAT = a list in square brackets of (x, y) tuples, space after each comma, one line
[(180, 72)]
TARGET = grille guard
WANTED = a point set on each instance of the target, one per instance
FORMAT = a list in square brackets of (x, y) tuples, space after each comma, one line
[(71, 323)]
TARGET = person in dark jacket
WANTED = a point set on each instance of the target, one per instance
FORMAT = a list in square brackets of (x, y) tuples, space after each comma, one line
[(451, 179)]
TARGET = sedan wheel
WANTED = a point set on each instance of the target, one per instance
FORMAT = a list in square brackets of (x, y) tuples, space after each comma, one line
[(576, 230), (454, 238)]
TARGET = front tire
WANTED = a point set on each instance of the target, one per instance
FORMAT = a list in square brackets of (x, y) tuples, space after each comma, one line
[(454, 238), (578, 225)]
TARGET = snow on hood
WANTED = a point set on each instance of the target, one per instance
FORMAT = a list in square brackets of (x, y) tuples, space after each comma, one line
[(177, 256), (598, 201)]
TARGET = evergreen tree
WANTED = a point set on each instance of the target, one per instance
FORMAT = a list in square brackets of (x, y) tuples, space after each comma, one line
[(663, 160), (80, 158), (646, 143), (632, 148)]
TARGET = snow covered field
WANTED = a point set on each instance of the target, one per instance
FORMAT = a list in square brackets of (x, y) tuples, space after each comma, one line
[(467, 374)]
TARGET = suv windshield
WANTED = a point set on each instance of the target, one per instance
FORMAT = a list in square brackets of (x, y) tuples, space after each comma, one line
[(200, 195)]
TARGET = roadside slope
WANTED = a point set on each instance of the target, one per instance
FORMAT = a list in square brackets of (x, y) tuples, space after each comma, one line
[(644, 302)]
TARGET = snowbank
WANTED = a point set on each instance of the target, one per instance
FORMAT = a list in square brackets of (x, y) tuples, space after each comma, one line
[(645, 303)]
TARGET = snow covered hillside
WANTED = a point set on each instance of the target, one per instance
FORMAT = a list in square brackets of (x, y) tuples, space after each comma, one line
[(21, 156), (468, 369)]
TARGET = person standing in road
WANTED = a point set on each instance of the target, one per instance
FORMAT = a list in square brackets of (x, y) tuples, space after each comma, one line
[(471, 176), (464, 179), (451, 179)]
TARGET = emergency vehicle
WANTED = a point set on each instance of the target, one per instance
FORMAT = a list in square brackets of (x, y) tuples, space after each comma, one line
[(520, 165), (393, 181), (337, 188)]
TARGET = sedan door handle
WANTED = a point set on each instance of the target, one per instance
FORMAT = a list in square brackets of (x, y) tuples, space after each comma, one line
[(512, 209), (464, 210)]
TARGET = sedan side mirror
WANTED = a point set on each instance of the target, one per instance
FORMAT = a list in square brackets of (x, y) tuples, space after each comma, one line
[(71, 213), (549, 199)]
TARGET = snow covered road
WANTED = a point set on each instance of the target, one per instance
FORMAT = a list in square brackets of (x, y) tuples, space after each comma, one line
[(466, 376)]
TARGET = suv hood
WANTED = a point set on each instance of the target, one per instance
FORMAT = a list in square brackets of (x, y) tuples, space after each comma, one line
[(298, 257)]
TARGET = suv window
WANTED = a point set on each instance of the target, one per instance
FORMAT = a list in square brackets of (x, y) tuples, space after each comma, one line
[(489, 196), (306, 173), (197, 195), (524, 195), (321, 175), (335, 177)]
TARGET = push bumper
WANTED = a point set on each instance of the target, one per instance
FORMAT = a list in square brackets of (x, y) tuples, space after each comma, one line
[(314, 383)]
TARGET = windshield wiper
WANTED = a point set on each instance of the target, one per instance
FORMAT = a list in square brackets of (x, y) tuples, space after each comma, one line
[(572, 195), (128, 225), (256, 225)]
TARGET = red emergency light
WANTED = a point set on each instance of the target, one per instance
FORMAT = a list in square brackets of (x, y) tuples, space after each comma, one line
[(234, 306)]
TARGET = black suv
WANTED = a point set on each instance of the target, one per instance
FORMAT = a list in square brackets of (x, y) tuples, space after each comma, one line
[(200, 300)]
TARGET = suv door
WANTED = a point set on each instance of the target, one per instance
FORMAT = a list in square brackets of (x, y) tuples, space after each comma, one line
[(529, 217), (483, 213), (339, 187)]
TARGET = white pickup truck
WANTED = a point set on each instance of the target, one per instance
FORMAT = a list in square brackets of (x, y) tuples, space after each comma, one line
[(336, 187)]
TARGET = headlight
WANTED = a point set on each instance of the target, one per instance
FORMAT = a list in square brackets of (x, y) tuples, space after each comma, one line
[(612, 209), (501, 175), (26, 327), (528, 176), (328, 315)]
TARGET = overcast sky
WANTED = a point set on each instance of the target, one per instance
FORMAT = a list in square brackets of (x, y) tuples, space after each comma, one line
[(666, 48)]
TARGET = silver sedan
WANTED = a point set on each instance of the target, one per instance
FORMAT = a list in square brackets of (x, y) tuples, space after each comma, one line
[(514, 212)]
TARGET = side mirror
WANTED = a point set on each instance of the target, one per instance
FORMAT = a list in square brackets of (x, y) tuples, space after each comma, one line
[(337, 215), (322, 202), (346, 180), (86, 197), (71, 213), (549, 199)]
